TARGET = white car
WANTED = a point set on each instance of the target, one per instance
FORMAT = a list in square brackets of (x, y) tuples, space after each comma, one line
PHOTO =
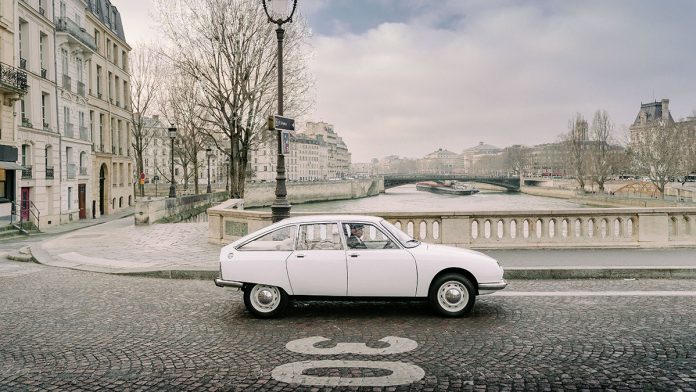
[(329, 256)]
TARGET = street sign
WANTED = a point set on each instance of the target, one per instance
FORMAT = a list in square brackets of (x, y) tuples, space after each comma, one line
[(155, 178), (286, 143), (281, 123)]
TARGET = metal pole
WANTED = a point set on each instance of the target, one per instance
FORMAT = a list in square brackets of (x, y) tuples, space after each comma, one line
[(208, 190), (172, 187), (280, 208)]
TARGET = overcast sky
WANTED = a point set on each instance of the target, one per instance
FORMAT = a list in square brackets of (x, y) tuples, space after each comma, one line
[(407, 77)]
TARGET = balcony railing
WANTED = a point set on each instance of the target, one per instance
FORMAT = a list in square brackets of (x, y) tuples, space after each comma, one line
[(22, 63), (72, 171), (84, 133), (26, 173), (67, 25), (44, 72), (13, 79), (49, 172), (26, 122), (69, 130), (83, 171), (67, 82), (42, 11), (81, 88)]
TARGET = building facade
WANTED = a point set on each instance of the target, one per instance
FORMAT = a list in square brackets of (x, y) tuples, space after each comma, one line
[(72, 141)]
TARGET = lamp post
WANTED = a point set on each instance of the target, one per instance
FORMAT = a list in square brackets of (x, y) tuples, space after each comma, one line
[(172, 136), (208, 153), (278, 14), (227, 174)]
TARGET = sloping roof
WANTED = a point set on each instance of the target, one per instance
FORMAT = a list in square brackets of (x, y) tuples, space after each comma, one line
[(482, 147), (653, 112), (105, 12)]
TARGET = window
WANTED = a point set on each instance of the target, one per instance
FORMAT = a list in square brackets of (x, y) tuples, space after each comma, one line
[(42, 53), (99, 77), (366, 236), (96, 39), (70, 203), (44, 109), (320, 236), (280, 239), (64, 60)]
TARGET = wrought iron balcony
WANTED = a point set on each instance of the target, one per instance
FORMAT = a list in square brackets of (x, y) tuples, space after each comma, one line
[(49, 172), (81, 88), (84, 133), (72, 171), (26, 122), (79, 34), (44, 72), (26, 173), (22, 63), (69, 130), (13, 79), (67, 82)]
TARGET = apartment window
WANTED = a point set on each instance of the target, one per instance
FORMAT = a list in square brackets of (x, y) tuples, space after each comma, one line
[(108, 49), (111, 86), (101, 130), (62, 9), (115, 51), (91, 125), (99, 78), (118, 94), (80, 70), (26, 150), (43, 39), (64, 60), (70, 201), (124, 63), (96, 39), (23, 110), (23, 49), (44, 109)]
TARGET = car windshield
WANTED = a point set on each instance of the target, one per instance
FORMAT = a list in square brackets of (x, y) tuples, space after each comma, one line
[(405, 239)]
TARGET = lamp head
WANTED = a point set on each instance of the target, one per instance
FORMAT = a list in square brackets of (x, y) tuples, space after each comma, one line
[(172, 131), (279, 11)]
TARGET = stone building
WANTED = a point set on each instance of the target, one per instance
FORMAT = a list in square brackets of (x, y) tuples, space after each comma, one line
[(13, 87), (648, 114), (72, 123), (472, 155), (441, 161)]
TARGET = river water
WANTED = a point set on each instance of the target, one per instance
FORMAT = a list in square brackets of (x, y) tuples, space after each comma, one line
[(407, 199)]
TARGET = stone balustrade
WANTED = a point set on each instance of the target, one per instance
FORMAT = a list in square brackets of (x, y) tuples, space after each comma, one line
[(576, 228)]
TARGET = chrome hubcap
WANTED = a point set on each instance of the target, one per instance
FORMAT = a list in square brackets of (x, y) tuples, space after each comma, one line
[(453, 296), (265, 298)]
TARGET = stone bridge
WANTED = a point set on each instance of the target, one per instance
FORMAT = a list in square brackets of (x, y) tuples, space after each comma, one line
[(392, 180)]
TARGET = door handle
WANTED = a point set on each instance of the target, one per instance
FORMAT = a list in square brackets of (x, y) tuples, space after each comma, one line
[(354, 255), (300, 256)]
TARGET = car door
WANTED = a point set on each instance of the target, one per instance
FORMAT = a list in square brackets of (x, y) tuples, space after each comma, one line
[(318, 264), (379, 267)]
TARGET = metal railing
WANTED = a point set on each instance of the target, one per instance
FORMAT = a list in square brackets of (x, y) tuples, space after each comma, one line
[(49, 172), (13, 78), (26, 173), (69, 130), (72, 171), (22, 63), (67, 82), (65, 24), (24, 216)]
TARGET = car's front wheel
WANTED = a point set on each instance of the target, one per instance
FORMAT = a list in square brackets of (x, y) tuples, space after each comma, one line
[(265, 301), (452, 295)]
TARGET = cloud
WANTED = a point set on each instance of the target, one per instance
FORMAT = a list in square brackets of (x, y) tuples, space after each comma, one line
[(508, 73)]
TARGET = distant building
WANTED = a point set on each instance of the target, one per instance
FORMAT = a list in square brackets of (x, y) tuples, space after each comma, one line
[(441, 161), (472, 155), (649, 114)]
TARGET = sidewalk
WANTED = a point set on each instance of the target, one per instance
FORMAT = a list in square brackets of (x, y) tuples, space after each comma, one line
[(181, 250)]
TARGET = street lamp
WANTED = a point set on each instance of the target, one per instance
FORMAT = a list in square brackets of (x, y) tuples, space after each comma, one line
[(227, 174), (209, 154), (278, 13), (172, 136)]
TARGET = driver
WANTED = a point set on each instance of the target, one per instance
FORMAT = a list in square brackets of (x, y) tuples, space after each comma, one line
[(355, 240)]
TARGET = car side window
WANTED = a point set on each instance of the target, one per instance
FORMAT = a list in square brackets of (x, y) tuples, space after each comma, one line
[(367, 236), (281, 239), (319, 236)]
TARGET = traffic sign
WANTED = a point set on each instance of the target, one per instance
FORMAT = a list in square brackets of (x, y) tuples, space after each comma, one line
[(281, 123), (286, 143)]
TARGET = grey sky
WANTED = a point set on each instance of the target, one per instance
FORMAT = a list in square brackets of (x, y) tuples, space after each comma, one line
[(406, 77)]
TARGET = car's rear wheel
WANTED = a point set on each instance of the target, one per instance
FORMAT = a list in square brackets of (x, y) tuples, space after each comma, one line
[(452, 295), (265, 301)]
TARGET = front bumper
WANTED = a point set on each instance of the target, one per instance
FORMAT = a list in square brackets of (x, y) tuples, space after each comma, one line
[(228, 283), (489, 288)]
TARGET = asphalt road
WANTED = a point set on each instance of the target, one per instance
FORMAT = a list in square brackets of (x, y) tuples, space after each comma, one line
[(62, 329), (559, 258)]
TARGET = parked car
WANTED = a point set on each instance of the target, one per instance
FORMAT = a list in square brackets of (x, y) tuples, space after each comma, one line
[(352, 257)]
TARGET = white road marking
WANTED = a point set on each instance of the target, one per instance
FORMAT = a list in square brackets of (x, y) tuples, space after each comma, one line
[(402, 373), (397, 345), (594, 294)]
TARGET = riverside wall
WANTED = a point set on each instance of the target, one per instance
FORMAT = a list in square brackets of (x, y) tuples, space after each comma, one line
[(263, 194)]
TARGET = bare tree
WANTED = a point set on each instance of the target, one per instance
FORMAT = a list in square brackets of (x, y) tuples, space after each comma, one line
[(146, 78), (575, 143), (230, 49), (182, 107), (516, 158), (601, 154), (658, 152)]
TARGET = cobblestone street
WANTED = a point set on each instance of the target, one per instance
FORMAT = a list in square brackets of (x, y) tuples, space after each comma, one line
[(63, 329)]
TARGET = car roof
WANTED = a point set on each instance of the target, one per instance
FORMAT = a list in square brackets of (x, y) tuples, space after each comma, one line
[(325, 217)]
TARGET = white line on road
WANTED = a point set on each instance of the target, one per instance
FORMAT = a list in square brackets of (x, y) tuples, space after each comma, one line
[(595, 294)]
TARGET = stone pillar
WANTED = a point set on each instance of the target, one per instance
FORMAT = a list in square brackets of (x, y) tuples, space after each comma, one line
[(653, 228), (456, 230)]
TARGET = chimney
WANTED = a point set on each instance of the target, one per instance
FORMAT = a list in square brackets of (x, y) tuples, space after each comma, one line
[(665, 109)]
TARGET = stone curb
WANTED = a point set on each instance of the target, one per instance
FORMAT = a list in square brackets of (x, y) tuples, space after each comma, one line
[(600, 273)]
